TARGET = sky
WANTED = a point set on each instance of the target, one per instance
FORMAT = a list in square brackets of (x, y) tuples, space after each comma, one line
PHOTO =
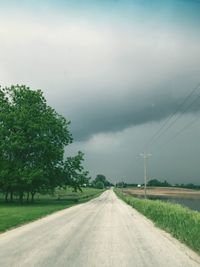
[(118, 70)]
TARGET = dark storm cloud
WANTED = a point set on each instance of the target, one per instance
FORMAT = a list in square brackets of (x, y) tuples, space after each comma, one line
[(113, 115), (115, 71), (103, 77)]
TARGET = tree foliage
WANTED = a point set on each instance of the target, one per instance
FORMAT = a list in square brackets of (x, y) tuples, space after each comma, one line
[(101, 181), (99, 185), (155, 182), (32, 141), (74, 174)]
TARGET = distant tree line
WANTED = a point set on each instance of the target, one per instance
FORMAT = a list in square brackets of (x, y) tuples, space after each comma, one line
[(189, 186), (32, 141), (155, 182), (124, 184), (101, 182)]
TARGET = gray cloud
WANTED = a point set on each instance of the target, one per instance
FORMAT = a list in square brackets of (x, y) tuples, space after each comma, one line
[(117, 154), (112, 115), (102, 78), (115, 79)]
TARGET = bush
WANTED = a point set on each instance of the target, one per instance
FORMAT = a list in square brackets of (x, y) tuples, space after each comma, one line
[(99, 185)]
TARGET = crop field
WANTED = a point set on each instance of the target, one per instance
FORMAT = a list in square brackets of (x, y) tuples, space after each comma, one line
[(15, 214), (182, 223), (164, 191)]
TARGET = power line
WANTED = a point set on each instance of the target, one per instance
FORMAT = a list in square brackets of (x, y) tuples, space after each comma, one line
[(182, 130), (169, 122), (159, 132), (174, 121)]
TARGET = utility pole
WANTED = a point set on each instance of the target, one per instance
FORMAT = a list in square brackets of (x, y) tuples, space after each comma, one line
[(145, 156)]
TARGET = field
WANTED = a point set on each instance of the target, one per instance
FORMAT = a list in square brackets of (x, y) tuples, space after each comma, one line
[(164, 192), (182, 223), (14, 214)]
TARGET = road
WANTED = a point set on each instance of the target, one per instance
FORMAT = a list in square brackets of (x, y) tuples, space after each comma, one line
[(104, 232)]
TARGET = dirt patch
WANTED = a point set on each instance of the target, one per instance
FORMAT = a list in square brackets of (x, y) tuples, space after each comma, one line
[(165, 191)]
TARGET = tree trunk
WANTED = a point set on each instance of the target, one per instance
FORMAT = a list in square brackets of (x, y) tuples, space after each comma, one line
[(11, 196), (21, 195), (27, 198), (32, 196), (6, 196)]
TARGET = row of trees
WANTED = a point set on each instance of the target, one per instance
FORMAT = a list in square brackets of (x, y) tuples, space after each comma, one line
[(123, 184), (32, 141), (189, 186), (101, 182), (155, 182)]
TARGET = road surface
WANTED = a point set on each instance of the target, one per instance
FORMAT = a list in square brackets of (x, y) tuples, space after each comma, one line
[(104, 232)]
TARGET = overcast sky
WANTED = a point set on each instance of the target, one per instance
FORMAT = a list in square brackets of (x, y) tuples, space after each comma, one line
[(117, 70)]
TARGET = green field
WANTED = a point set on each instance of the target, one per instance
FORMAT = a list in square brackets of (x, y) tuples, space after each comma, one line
[(182, 223), (14, 214)]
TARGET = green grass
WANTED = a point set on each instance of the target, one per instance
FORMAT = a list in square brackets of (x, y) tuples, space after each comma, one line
[(14, 214), (182, 223)]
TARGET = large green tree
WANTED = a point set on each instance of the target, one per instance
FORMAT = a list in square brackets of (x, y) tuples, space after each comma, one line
[(32, 140)]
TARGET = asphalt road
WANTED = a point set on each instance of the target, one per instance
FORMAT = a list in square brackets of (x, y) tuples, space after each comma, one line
[(103, 232)]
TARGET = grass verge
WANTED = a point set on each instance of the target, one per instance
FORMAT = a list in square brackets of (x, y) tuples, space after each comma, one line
[(14, 214), (182, 223)]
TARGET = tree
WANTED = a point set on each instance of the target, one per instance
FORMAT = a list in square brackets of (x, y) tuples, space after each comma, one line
[(99, 185), (100, 178), (33, 136), (7, 164), (121, 184), (74, 174), (155, 182)]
